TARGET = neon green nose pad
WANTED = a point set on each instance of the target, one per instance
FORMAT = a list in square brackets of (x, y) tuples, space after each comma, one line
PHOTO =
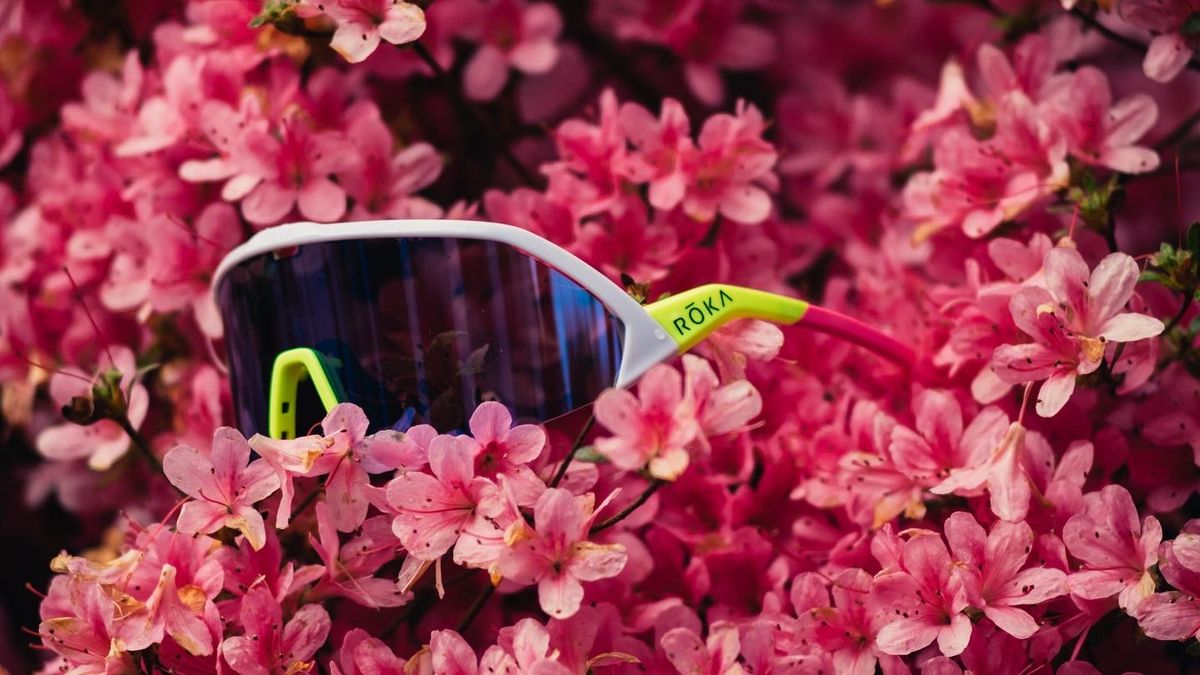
[(292, 367)]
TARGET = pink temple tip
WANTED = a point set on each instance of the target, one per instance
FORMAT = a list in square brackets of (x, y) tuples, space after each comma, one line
[(859, 333)]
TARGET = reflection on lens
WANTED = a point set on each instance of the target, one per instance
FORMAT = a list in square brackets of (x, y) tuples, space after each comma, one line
[(420, 330)]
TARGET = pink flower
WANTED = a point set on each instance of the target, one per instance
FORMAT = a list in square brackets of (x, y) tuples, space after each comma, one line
[(731, 172), (940, 444), (340, 454), (653, 428), (246, 569), (846, 628), (661, 147), (513, 34), (104, 442), (720, 409), (1175, 615), (627, 244), (715, 656), (382, 184), (836, 134), (993, 575), (924, 598), (109, 102), (172, 587), (184, 258), (405, 450), (226, 129), (1117, 551), (1099, 132), (269, 645), (523, 649), (448, 654), (1175, 38), (433, 510), (556, 555), (293, 169), (224, 486), (499, 448), (362, 23), (349, 568), (1071, 320), (362, 654), (977, 185), (735, 345), (1001, 469), (347, 486), (81, 631)]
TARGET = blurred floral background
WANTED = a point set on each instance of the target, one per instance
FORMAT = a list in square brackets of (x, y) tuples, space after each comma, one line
[(1008, 186)]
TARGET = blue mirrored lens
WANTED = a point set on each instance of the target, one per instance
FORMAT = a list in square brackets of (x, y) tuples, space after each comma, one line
[(419, 330)]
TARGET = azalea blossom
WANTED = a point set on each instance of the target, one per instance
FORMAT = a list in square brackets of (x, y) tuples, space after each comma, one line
[(349, 568), (290, 171), (361, 24), (270, 645), (1099, 131), (1071, 320), (926, 599), (433, 510), (1116, 549), (653, 428), (718, 654), (1174, 41), (500, 448), (993, 574), (362, 654), (556, 554), (511, 33), (224, 486), (1175, 615), (663, 145)]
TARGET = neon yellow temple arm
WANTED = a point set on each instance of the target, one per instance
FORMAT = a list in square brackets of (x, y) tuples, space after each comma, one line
[(290, 369), (693, 315)]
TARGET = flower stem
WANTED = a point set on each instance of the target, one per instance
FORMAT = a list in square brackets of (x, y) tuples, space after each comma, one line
[(1184, 307), (562, 468), (655, 484), (312, 497), (475, 608), (138, 441), (1180, 132)]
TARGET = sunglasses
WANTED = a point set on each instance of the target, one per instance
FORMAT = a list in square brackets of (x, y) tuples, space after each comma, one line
[(419, 321)]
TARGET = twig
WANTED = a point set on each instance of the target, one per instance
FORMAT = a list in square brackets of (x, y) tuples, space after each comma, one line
[(312, 496), (989, 7), (1183, 308), (139, 442), (562, 468), (471, 110), (655, 484), (476, 607), (1180, 132)]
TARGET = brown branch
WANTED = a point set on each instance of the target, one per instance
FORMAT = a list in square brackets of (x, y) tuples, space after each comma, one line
[(655, 484)]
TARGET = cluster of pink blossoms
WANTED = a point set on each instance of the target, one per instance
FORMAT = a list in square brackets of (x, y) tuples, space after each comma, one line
[(1003, 185)]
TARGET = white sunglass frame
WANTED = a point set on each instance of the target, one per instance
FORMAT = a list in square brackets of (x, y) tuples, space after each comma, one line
[(645, 344)]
